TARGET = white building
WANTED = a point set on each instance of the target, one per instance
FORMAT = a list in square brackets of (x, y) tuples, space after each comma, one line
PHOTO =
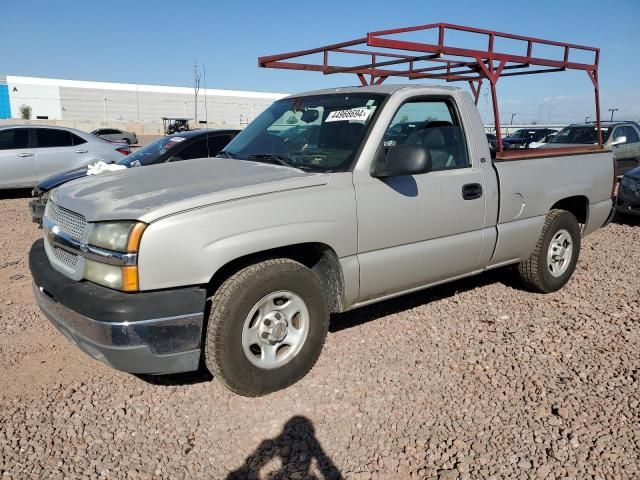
[(105, 102)]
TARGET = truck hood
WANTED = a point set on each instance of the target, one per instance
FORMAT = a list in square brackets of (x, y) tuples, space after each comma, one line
[(156, 191)]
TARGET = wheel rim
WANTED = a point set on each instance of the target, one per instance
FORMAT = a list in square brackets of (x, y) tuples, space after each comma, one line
[(275, 330), (560, 253)]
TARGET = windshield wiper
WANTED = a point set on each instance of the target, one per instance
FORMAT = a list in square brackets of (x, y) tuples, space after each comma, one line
[(227, 154), (270, 158)]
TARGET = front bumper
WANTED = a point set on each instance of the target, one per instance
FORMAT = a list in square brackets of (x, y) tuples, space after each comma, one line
[(148, 332)]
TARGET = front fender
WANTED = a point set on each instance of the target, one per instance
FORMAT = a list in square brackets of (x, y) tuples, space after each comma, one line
[(190, 247)]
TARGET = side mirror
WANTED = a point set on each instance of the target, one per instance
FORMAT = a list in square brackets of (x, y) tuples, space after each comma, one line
[(619, 140), (404, 160)]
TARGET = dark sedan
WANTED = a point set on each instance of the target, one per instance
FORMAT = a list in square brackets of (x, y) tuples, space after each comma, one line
[(173, 148), (629, 193), (523, 137)]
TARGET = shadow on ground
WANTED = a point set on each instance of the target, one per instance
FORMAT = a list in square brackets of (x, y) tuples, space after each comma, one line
[(15, 193), (342, 321), (297, 452), (178, 379), (631, 220)]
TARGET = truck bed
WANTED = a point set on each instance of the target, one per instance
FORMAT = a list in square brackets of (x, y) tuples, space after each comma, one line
[(533, 182)]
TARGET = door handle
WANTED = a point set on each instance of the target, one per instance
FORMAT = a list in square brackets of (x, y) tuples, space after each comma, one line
[(23, 155), (82, 151), (471, 191)]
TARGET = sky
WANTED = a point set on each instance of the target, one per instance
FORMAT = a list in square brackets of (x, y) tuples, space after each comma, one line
[(157, 42)]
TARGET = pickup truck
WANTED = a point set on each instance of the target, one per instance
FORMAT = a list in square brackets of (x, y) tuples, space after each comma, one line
[(237, 262)]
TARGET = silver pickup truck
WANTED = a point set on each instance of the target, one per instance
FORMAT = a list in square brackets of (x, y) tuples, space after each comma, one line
[(328, 201)]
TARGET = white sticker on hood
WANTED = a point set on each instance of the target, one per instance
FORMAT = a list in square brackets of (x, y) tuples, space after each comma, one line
[(354, 115)]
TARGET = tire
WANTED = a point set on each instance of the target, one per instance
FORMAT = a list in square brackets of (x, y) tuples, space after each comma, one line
[(536, 273), (242, 369)]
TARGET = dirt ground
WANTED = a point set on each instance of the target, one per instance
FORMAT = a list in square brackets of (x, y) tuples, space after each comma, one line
[(476, 379)]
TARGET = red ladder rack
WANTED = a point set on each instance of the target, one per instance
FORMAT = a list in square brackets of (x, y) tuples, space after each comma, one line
[(389, 57)]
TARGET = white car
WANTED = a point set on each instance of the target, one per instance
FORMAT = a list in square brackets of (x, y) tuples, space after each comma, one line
[(31, 153), (115, 135), (543, 141)]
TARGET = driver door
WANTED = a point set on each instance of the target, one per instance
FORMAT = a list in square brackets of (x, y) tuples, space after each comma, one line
[(417, 230)]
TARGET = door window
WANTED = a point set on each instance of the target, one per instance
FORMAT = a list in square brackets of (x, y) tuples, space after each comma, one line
[(434, 125), (77, 140), (53, 138), (217, 143), (631, 134), (14, 138), (195, 150), (617, 134)]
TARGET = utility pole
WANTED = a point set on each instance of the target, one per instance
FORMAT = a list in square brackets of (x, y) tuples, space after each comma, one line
[(550, 108), (105, 110), (204, 81), (513, 115), (612, 110), (196, 89)]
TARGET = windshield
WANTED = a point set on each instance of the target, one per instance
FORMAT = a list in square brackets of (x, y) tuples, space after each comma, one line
[(319, 133), (584, 134), (150, 153)]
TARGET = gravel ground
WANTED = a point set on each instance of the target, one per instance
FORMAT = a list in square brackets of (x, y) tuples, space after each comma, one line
[(476, 379)]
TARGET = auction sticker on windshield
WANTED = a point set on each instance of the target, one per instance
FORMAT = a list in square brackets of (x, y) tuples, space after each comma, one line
[(355, 114)]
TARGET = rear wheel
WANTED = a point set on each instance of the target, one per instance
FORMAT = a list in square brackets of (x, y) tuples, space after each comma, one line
[(267, 327), (555, 257)]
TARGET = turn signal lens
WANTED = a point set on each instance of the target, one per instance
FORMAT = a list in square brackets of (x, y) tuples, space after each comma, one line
[(135, 236), (130, 279)]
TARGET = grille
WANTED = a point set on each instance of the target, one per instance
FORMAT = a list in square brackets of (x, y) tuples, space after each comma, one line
[(69, 222), (66, 258)]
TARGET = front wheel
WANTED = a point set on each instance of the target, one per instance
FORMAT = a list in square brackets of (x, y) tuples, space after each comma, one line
[(555, 257), (267, 327)]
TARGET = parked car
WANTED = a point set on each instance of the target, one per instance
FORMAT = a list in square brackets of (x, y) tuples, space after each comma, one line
[(237, 261), (523, 137), (115, 135), (30, 153), (628, 199), (542, 142), (183, 146), (623, 138)]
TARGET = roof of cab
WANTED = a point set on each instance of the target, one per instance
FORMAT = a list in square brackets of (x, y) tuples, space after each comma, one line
[(384, 89)]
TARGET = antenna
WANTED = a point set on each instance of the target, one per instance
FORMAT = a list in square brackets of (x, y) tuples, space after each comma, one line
[(196, 89)]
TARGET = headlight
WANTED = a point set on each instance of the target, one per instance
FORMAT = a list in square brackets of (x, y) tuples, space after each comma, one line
[(121, 238), (112, 276), (117, 236)]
